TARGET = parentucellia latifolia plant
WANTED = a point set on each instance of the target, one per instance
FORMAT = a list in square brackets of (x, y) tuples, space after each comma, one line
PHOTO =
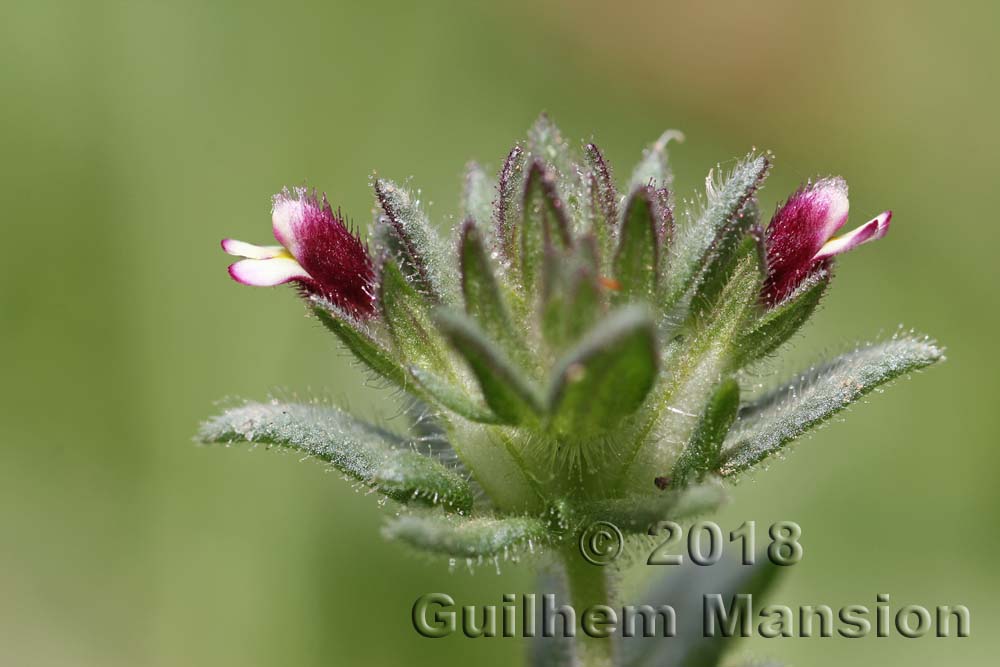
[(576, 350)]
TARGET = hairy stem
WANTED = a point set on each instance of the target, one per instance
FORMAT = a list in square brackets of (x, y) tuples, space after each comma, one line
[(588, 587)]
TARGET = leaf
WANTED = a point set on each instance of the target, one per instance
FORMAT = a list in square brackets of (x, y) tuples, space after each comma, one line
[(684, 590), (771, 422), (717, 230), (411, 240), (507, 393), (635, 263), (607, 375), (361, 343), (362, 451), (654, 168), (544, 222), (453, 398), (546, 143), (701, 455), (477, 195), (405, 311), (777, 325), (472, 538), (721, 270), (603, 191), (483, 300), (507, 204), (572, 298)]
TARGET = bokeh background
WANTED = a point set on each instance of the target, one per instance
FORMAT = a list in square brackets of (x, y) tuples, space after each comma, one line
[(134, 135)]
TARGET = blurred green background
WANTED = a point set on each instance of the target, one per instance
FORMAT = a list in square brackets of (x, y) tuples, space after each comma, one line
[(134, 135)]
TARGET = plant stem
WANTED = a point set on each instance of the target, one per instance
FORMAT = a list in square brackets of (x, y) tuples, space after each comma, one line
[(588, 587)]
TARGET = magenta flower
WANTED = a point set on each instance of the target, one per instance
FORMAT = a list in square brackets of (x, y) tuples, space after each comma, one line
[(317, 251), (800, 239)]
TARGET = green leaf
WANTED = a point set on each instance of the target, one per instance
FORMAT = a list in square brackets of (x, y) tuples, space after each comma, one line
[(546, 143), (507, 207), (412, 242), (604, 197), (723, 266), (701, 455), (572, 298), (360, 342), (544, 223), (467, 537), (406, 313), (507, 393), (765, 426), (635, 263), (717, 230), (362, 451), (654, 168), (607, 375), (685, 590), (483, 301), (477, 195), (453, 398), (780, 323)]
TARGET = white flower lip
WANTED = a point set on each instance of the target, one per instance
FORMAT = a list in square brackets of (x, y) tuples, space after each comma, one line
[(267, 272), (872, 230)]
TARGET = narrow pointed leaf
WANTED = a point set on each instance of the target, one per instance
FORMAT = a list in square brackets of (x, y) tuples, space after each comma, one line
[(721, 270), (506, 208), (406, 313), (607, 376), (412, 242), (718, 229), (453, 398), (483, 300), (701, 455), (777, 325), (477, 195), (360, 342), (469, 538), (571, 295), (506, 391), (635, 263), (604, 191), (654, 168), (546, 143), (770, 423), (544, 223), (685, 591), (362, 451)]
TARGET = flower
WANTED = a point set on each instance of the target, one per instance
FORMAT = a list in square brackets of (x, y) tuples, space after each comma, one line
[(800, 240), (317, 251)]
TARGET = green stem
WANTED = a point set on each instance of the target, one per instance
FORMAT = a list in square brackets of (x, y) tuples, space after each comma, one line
[(588, 587)]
